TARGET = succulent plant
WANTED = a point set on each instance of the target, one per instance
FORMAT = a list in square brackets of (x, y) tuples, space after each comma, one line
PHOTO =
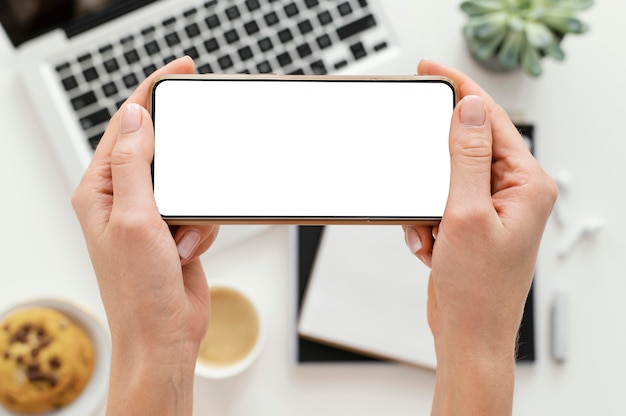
[(519, 33)]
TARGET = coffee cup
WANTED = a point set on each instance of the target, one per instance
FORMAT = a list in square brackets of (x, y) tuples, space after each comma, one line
[(235, 334)]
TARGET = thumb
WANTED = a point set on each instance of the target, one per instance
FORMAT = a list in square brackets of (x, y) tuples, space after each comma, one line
[(131, 158), (470, 152)]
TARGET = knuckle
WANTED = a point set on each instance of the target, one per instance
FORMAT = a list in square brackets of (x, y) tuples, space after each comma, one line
[(126, 222), (122, 154), (474, 145), (468, 215)]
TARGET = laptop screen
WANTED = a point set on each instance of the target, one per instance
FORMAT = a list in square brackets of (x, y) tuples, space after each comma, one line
[(26, 19)]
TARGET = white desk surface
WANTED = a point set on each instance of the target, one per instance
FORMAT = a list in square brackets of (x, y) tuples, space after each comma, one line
[(578, 109)]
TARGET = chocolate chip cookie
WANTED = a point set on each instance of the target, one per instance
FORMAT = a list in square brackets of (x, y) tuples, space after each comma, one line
[(45, 360)]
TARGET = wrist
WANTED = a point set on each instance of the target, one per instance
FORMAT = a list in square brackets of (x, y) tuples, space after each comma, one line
[(474, 378), (151, 380)]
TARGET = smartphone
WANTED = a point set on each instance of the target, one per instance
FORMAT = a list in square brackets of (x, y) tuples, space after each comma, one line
[(268, 149)]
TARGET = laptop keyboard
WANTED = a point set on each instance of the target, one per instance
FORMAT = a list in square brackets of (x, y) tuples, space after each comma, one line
[(244, 36)]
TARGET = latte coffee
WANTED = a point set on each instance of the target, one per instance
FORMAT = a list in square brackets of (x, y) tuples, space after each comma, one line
[(233, 329)]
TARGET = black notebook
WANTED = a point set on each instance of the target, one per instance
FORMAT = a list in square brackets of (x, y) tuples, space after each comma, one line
[(308, 240)]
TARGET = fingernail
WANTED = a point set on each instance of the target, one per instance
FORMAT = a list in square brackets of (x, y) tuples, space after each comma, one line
[(131, 118), (472, 111), (188, 244), (412, 240)]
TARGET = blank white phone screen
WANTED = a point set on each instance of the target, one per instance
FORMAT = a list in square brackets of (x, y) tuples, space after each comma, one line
[(322, 148)]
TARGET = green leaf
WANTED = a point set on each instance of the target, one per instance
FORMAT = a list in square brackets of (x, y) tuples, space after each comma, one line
[(554, 50), (485, 50), (573, 4), (531, 60), (486, 26), (480, 7), (538, 35), (563, 23), (509, 55)]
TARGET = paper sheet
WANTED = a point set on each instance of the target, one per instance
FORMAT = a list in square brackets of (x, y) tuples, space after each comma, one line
[(368, 293)]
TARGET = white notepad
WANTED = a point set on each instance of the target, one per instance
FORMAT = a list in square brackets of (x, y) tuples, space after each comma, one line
[(368, 293)]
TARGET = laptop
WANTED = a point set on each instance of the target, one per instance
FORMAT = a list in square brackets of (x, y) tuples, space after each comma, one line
[(80, 59)]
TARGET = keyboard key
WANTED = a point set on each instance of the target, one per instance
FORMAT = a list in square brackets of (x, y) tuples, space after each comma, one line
[(341, 64), (285, 35), (231, 36), (146, 31), (325, 17), (84, 100), (131, 56), (233, 13), (99, 117), (127, 40), (344, 9), (149, 69), (192, 52), (90, 74), (298, 71), (109, 89), (169, 21), (380, 46), (225, 62), (271, 18), (264, 67), (212, 21), (245, 53), (319, 68), (130, 80), (363, 3), (62, 67), (358, 50), (95, 140), (192, 30), (311, 3), (284, 59), (251, 27), (152, 47), (305, 26), (69, 83), (172, 39), (204, 69), (210, 4), (211, 45), (324, 41), (291, 10), (265, 44), (190, 12), (105, 48), (169, 59), (111, 65), (355, 27), (252, 5), (304, 50), (84, 57)]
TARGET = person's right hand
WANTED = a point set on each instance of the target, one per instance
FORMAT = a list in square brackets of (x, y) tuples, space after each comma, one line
[(482, 255), (150, 276)]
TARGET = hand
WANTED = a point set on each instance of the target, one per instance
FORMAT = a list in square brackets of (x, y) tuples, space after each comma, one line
[(151, 280), (482, 255)]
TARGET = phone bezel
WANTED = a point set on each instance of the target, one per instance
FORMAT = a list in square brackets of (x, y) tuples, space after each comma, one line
[(296, 220)]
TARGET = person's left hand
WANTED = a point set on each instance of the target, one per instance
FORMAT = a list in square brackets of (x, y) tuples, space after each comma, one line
[(151, 280)]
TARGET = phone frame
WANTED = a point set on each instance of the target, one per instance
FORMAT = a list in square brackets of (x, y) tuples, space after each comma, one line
[(297, 220)]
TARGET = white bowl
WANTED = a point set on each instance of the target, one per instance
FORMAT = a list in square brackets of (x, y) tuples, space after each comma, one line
[(224, 371), (93, 398)]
